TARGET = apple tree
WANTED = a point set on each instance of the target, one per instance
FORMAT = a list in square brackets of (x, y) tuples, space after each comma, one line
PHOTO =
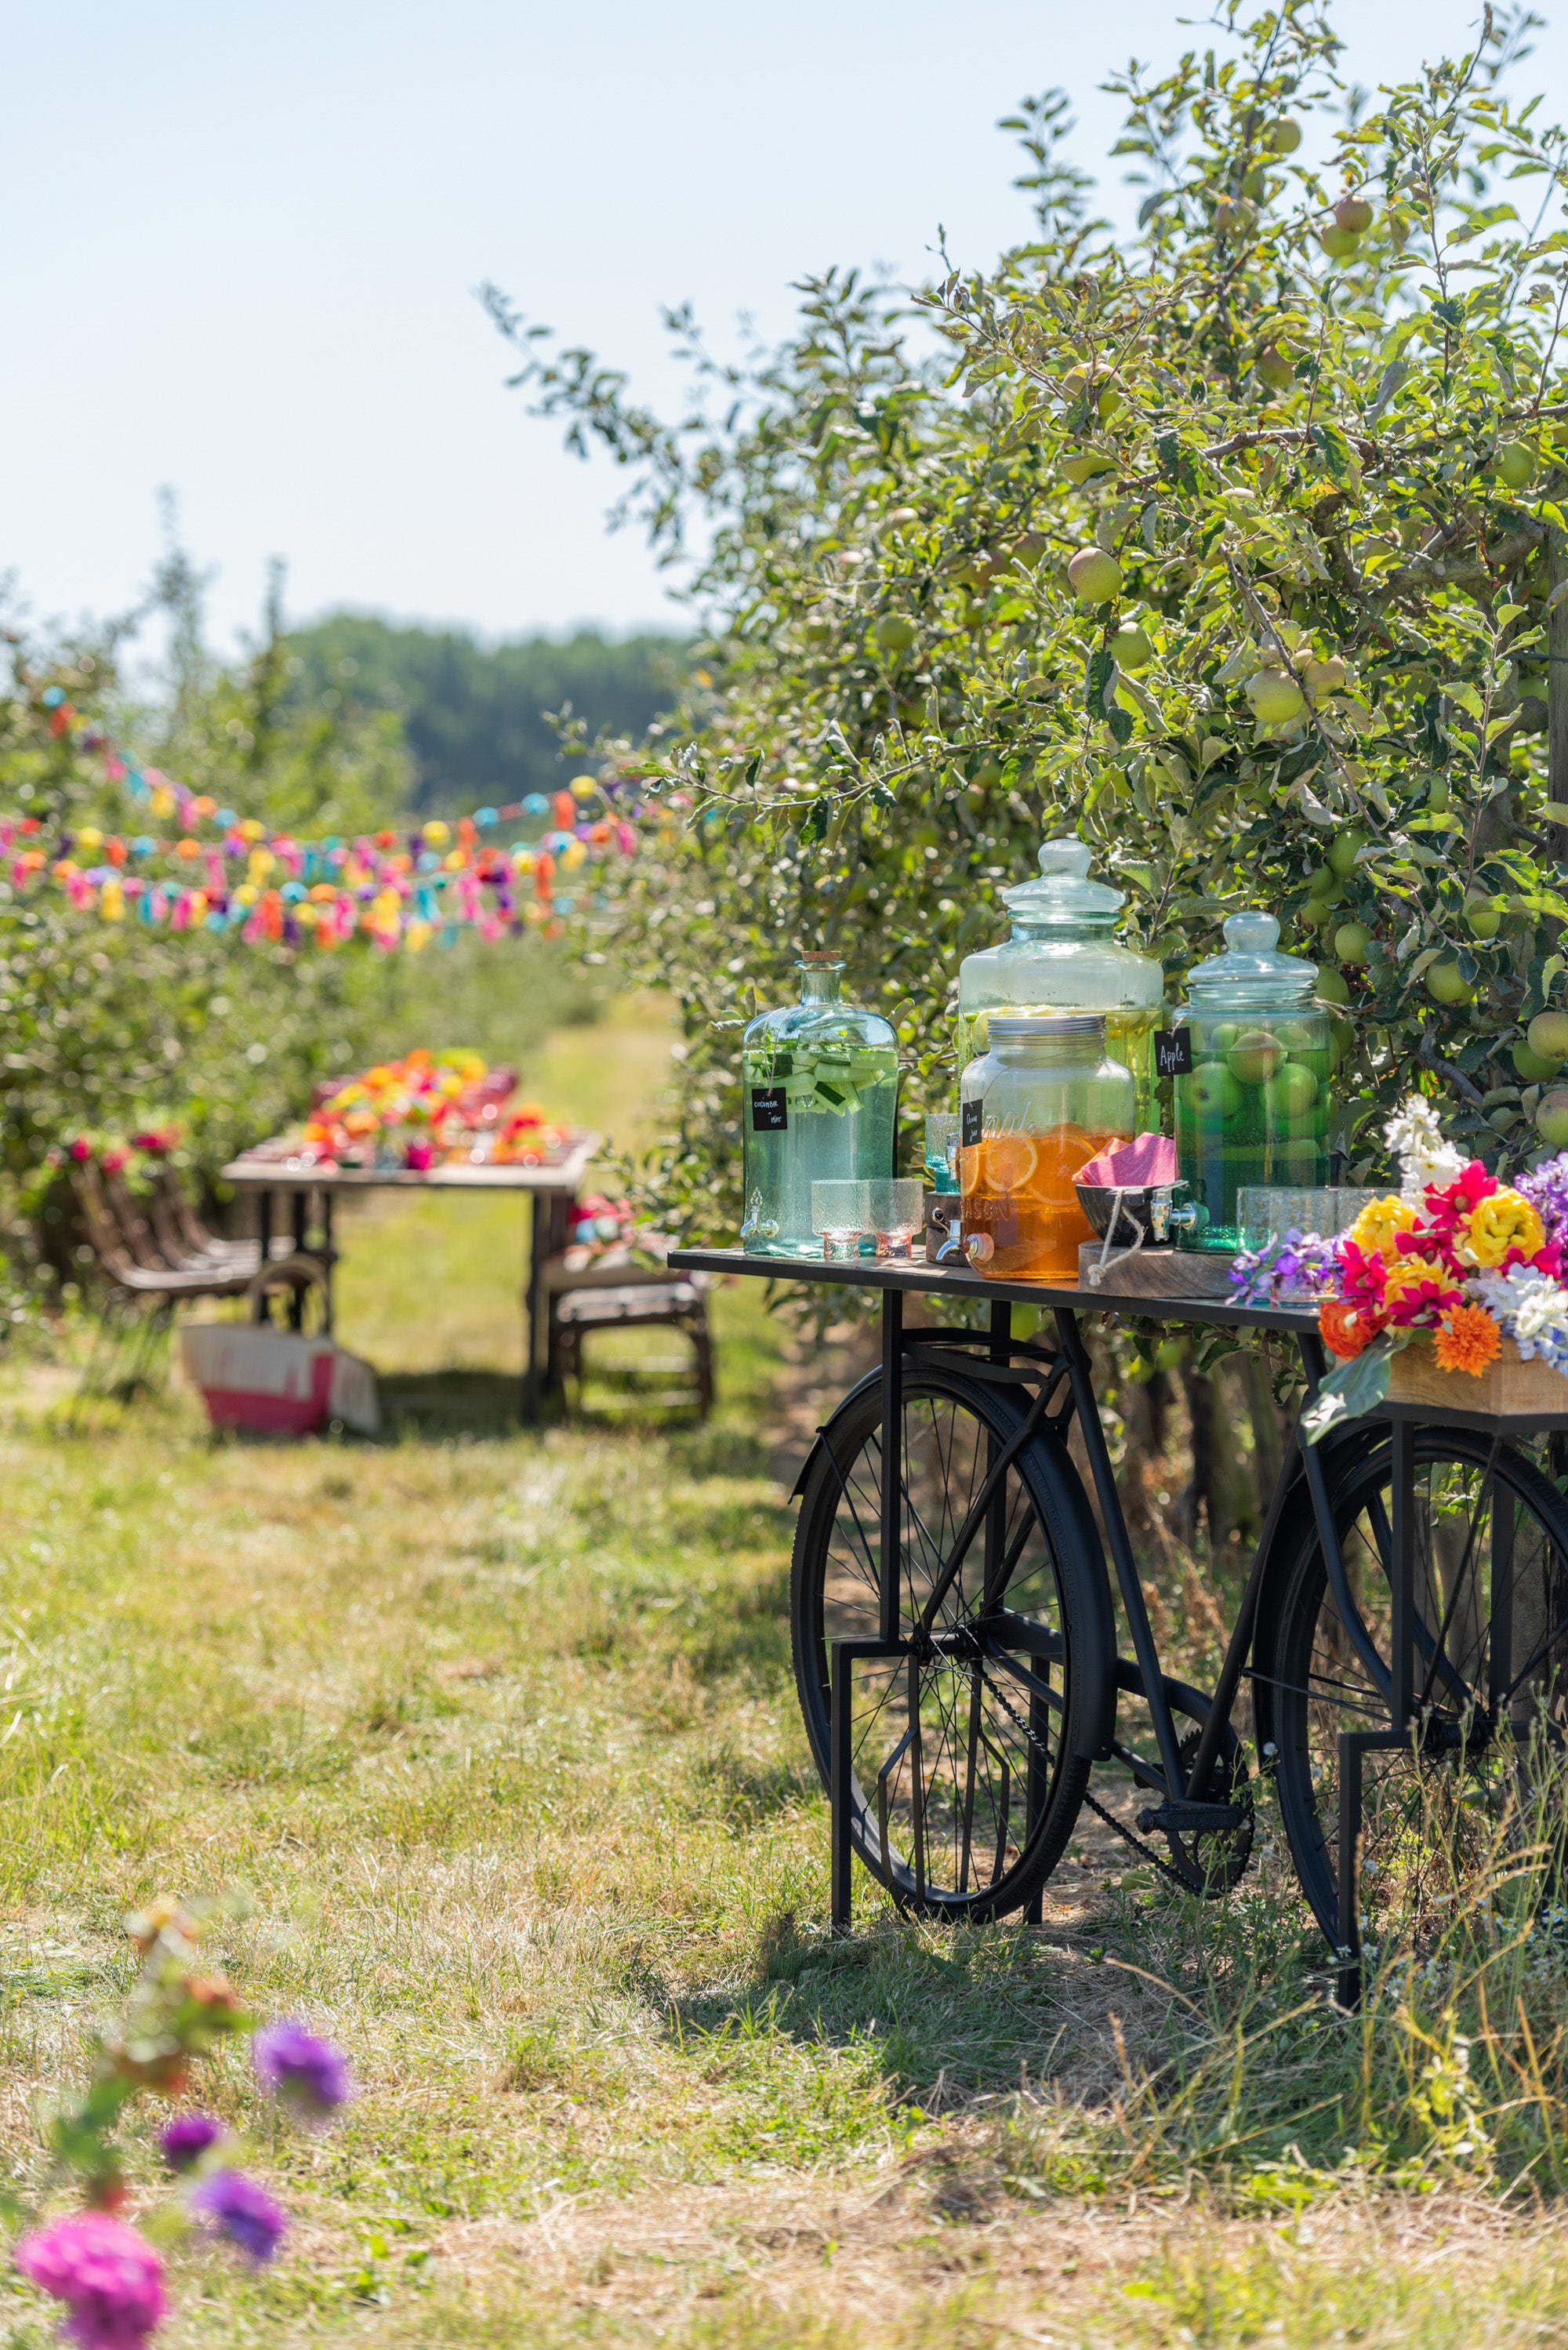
[(1237, 544)]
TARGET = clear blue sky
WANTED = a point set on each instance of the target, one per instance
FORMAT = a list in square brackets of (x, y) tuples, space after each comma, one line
[(242, 242)]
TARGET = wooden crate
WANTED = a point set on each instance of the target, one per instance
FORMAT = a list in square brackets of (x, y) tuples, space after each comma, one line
[(1157, 1271), (1510, 1385)]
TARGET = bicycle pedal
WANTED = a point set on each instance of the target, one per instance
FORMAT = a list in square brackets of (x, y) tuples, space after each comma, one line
[(1180, 1818)]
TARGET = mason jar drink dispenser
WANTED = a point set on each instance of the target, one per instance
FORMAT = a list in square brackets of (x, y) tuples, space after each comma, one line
[(1033, 1110), (1251, 1083), (1063, 956), (819, 1102)]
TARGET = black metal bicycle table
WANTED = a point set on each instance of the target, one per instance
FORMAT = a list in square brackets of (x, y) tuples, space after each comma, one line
[(1401, 1643)]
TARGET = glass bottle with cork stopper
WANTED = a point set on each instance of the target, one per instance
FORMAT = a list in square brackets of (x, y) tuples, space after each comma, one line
[(819, 1087)]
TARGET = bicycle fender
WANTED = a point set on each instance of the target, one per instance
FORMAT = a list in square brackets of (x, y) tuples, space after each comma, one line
[(1339, 1449), (1095, 1665), (1073, 1529), (824, 1433)]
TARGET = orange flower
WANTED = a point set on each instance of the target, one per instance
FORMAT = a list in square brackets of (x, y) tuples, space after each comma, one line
[(1466, 1339), (1345, 1329)]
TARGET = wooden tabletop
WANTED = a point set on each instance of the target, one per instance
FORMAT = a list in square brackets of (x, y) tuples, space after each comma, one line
[(926, 1280), (292, 1174)]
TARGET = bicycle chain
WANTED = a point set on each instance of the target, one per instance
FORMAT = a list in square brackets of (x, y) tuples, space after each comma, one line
[(1117, 1828)]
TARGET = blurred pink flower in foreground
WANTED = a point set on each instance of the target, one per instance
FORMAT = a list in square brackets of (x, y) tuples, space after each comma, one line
[(110, 2279)]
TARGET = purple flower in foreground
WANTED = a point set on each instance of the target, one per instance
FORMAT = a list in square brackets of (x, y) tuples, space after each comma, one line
[(1546, 1189), (294, 2064), (186, 2139), (239, 2210), (110, 2279)]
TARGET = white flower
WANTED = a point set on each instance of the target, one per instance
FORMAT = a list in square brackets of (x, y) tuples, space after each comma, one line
[(1417, 1141), (1531, 1307)]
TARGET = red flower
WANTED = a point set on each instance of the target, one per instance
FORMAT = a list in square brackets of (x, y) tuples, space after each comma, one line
[(1431, 1242), (1456, 1200), (1424, 1302), (81, 1151)]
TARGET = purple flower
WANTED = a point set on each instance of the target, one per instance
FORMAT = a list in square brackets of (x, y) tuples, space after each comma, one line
[(187, 2138), (111, 2280), (240, 2210), (1546, 1189), (294, 2064)]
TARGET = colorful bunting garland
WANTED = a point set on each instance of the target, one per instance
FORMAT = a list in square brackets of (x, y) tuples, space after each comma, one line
[(226, 872)]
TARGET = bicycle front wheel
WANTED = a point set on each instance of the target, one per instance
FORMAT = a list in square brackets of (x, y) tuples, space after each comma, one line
[(1477, 1788), (971, 1753)]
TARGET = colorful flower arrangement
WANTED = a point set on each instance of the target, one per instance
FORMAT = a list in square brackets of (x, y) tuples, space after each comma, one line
[(1455, 1256), (429, 1109), (605, 1228), (109, 2275)]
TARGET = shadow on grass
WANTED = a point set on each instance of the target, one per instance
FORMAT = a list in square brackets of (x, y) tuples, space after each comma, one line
[(949, 2013), (430, 1406)]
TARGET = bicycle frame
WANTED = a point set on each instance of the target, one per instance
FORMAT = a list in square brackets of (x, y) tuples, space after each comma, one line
[(1302, 1463), (1063, 1378)]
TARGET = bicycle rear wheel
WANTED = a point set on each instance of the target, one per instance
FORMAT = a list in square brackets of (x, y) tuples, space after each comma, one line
[(1480, 1781), (970, 1756)]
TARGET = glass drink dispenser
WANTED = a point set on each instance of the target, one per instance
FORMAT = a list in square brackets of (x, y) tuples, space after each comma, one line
[(1039, 1105), (819, 1084), (1252, 1085), (1063, 956)]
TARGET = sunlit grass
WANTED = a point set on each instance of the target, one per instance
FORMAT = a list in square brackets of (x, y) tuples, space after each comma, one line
[(497, 1732)]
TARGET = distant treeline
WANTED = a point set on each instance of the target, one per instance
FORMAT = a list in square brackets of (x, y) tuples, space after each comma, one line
[(473, 715)]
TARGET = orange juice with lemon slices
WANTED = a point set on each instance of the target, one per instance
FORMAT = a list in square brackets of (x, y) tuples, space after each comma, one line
[(1017, 1194), (1044, 1099)]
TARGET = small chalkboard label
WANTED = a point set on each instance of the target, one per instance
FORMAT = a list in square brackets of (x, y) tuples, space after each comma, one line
[(770, 1114), (970, 1124), (1173, 1052)]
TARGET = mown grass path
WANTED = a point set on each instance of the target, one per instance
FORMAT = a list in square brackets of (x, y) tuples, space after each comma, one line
[(500, 1740), (498, 1735)]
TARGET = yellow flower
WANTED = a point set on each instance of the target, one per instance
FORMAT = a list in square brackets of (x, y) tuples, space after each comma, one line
[(1506, 1221), (1409, 1272), (1373, 1229)]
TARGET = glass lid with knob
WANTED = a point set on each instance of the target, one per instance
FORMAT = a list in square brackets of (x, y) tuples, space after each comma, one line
[(1252, 970), (1063, 956)]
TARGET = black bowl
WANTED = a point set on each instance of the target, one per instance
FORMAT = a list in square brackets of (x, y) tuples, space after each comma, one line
[(1098, 1201)]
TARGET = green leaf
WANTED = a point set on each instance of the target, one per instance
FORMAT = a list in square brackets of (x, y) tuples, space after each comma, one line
[(1352, 1387)]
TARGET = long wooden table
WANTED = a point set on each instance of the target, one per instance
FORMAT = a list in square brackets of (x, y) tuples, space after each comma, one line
[(302, 1184)]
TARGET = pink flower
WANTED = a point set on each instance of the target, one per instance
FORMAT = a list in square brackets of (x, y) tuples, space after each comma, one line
[(1363, 1276), (109, 2276), (1429, 1243), (81, 1149), (113, 1160), (1455, 1201)]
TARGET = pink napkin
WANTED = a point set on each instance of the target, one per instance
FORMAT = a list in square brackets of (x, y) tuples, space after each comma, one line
[(1132, 1166)]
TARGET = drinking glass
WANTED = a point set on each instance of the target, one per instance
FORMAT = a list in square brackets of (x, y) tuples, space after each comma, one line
[(894, 1212), (840, 1214), (1263, 1210), (942, 1149)]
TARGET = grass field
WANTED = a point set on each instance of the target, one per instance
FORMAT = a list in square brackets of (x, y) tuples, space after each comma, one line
[(497, 1734)]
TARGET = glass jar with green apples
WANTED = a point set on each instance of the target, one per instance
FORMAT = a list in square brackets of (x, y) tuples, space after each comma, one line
[(1252, 1054)]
